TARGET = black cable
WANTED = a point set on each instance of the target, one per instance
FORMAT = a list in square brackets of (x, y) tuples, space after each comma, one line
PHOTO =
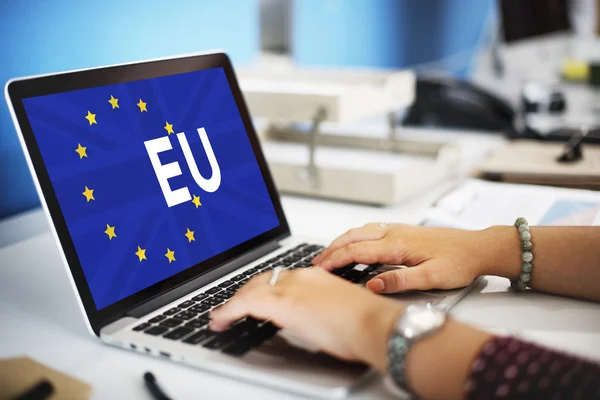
[(154, 388)]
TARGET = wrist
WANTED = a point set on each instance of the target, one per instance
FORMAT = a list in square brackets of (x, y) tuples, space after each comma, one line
[(502, 252), (377, 327)]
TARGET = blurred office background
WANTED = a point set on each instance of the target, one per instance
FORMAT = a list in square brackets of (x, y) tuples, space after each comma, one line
[(447, 36)]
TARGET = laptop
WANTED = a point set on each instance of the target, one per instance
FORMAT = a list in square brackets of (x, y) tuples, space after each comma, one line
[(162, 203)]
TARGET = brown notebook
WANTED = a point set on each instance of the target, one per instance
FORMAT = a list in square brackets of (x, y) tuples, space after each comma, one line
[(18, 375)]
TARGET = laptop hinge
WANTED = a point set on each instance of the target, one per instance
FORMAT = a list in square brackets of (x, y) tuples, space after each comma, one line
[(196, 283)]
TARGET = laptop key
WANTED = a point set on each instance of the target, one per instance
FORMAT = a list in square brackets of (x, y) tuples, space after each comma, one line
[(156, 330), (200, 297), (220, 340), (206, 316), (186, 315), (238, 277), (197, 323), (252, 322), (258, 336), (235, 288), (251, 271), (171, 322), (304, 264), (172, 311), (178, 333), (267, 330), (217, 300), (213, 290), (199, 308), (225, 294), (186, 304), (199, 337), (353, 275), (232, 334), (141, 327), (372, 267), (212, 301), (158, 318), (226, 284), (343, 270), (237, 348)]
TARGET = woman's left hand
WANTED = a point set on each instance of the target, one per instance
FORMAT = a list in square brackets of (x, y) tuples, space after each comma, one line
[(338, 317)]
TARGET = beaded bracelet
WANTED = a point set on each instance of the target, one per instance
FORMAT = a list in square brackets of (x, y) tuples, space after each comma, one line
[(523, 226)]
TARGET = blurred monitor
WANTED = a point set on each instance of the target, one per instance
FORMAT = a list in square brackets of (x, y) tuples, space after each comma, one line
[(522, 19)]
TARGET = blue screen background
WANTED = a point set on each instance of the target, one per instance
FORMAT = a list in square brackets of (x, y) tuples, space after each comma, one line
[(125, 188)]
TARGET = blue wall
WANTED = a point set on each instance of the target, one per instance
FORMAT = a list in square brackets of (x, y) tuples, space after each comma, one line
[(386, 33), (53, 35)]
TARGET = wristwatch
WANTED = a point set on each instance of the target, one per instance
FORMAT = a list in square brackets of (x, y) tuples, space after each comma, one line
[(416, 322)]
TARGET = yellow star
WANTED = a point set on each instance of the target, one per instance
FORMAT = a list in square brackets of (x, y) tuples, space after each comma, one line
[(81, 151), (110, 231), (114, 102), (142, 106), (190, 235), (141, 253), (91, 118), (170, 255), (196, 201), (89, 194), (169, 128)]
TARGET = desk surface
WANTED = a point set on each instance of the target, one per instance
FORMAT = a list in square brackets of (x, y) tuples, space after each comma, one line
[(39, 316)]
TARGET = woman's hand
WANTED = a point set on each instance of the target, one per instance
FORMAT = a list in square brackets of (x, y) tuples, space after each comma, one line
[(442, 258), (340, 318)]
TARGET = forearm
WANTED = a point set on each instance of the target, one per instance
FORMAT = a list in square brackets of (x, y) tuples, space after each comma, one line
[(437, 366), (566, 260)]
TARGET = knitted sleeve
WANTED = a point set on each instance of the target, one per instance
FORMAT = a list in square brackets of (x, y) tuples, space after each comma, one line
[(510, 368)]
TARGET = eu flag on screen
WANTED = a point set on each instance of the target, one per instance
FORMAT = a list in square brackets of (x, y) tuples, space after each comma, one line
[(152, 176)]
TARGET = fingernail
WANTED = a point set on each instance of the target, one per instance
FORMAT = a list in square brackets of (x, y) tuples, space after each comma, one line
[(376, 285), (317, 259)]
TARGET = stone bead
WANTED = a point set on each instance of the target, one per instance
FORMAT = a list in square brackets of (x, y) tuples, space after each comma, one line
[(525, 236), (527, 257), (520, 221), (526, 267), (523, 228), (520, 286), (526, 246), (525, 277)]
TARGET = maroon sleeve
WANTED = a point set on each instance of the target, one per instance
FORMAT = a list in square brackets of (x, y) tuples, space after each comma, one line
[(511, 368)]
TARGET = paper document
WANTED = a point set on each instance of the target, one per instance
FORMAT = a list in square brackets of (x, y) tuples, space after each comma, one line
[(479, 204)]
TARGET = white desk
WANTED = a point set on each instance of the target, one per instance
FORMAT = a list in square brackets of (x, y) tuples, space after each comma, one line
[(39, 316)]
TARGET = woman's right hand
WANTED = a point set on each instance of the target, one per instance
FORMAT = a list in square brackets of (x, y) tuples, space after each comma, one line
[(440, 258)]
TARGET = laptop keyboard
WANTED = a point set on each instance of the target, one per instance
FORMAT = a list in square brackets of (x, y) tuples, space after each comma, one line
[(188, 321)]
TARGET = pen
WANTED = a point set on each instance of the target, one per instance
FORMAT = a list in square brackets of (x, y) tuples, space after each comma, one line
[(154, 388)]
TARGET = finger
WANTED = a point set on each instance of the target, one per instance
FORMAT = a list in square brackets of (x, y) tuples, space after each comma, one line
[(256, 298), (367, 232), (404, 279), (258, 303), (366, 252)]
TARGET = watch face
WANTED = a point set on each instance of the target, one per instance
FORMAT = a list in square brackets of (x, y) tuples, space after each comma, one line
[(419, 320)]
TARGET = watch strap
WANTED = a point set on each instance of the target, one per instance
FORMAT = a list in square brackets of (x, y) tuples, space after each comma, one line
[(398, 347)]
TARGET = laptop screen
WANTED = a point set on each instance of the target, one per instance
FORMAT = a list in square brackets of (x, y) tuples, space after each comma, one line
[(152, 176)]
